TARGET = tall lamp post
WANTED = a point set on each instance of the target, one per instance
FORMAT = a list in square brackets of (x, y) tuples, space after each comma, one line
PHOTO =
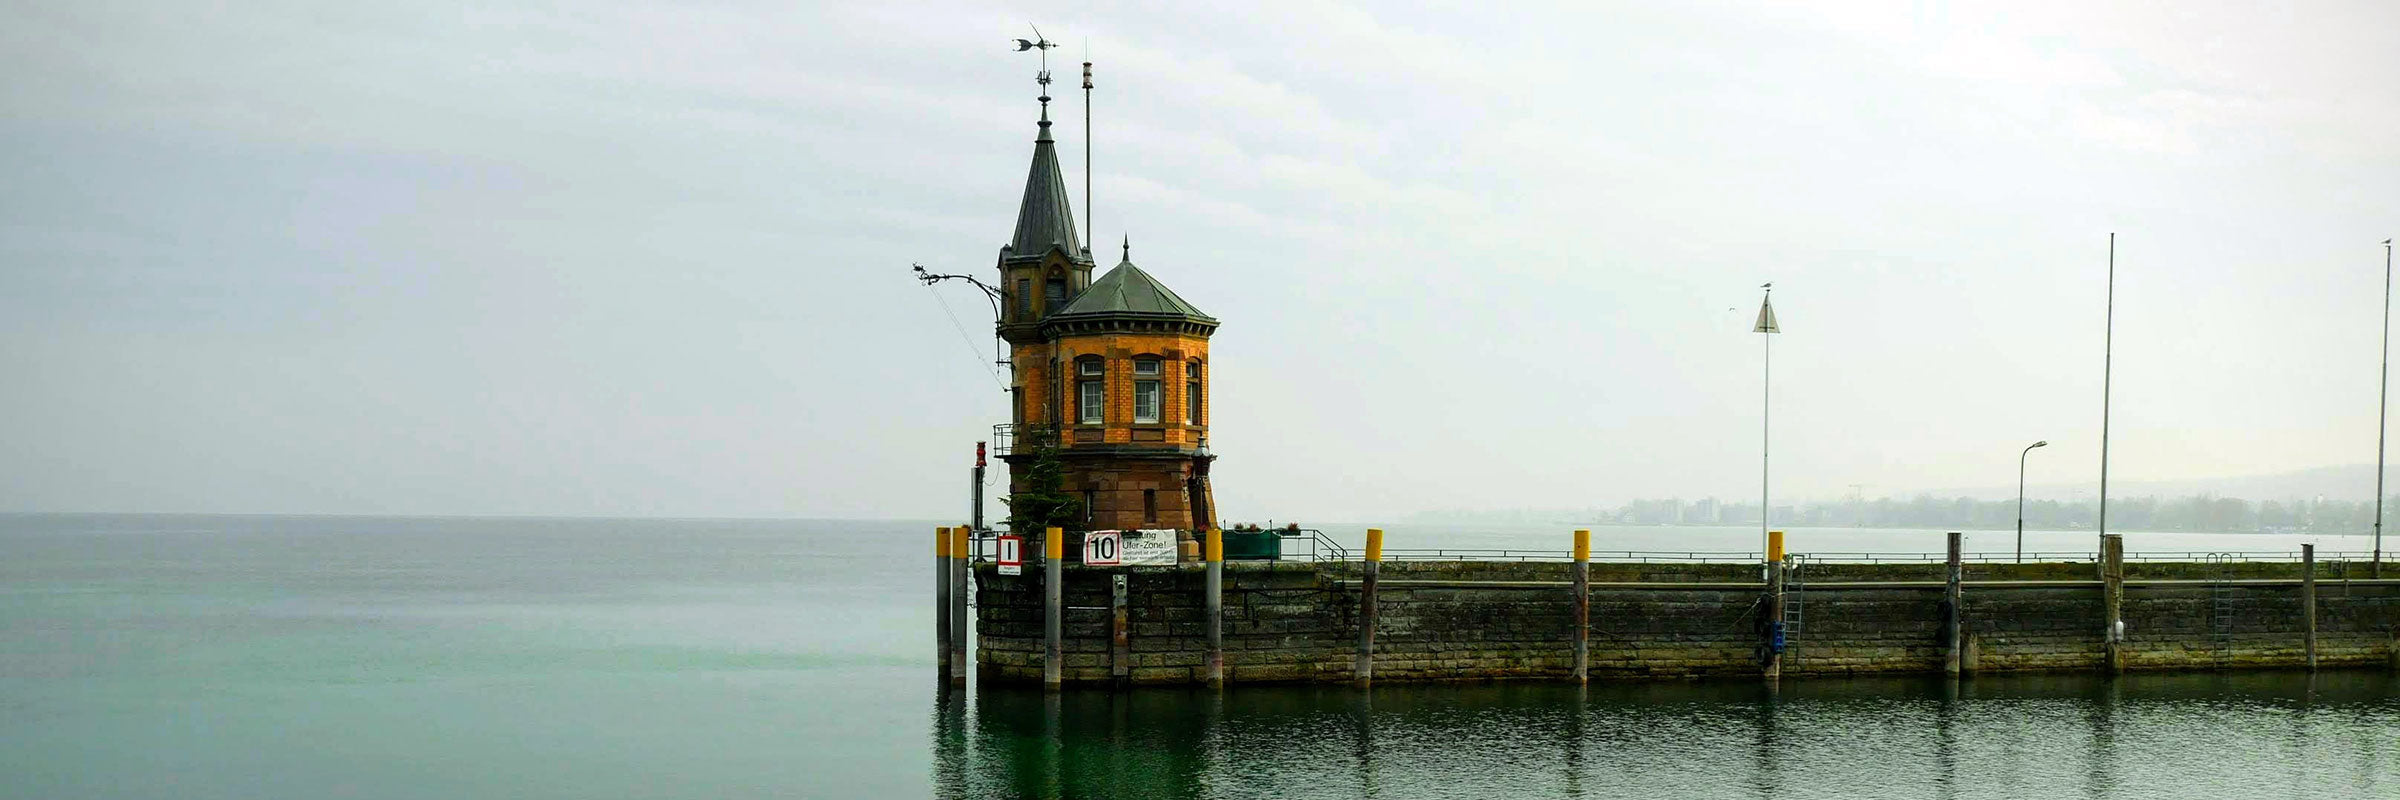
[(1766, 325), (2021, 497), (2382, 404)]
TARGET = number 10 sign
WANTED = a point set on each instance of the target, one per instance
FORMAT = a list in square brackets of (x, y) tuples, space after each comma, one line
[(1103, 548)]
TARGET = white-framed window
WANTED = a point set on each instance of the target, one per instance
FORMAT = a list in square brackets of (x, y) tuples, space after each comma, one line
[(1146, 399), (1091, 400)]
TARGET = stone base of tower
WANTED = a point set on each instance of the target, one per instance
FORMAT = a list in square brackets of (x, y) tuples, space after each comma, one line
[(1123, 491)]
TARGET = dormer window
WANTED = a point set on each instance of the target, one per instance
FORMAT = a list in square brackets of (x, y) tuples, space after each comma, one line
[(1146, 390)]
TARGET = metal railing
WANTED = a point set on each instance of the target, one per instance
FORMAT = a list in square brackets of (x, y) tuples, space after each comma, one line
[(1610, 556), (1753, 557), (1311, 543), (1004, 438)]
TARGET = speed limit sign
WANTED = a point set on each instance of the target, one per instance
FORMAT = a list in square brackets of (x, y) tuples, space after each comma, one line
[(1103, 548)]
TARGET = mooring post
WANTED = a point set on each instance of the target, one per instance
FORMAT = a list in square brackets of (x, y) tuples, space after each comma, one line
[(1120, 643), (1365, 669), (961, 622), (2308, 601), (941, 602), (1776, 636), (2112, 602), (1952, 595), (1583, 606), (1054, 556), (1215, 554)]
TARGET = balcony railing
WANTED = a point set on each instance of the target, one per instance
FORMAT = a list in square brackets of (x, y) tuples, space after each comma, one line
[(1004, 438)]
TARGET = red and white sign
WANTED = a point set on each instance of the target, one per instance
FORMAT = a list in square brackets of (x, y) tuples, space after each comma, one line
[(1012, 555)]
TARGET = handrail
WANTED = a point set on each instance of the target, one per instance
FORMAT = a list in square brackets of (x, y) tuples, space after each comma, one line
[(1753, 557), (1320, 546)]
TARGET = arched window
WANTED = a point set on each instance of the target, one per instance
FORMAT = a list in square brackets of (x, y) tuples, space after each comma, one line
[(1091, 399), (1146, 398), (1054, 293)]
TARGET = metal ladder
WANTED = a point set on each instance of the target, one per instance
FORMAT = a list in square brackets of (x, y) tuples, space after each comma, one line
[(2220, 610), (1794, 602)]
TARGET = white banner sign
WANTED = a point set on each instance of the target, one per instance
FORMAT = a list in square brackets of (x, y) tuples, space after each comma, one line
[(1148, 548)]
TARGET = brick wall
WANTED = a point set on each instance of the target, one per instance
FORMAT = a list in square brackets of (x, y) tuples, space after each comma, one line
[(1299, 622)]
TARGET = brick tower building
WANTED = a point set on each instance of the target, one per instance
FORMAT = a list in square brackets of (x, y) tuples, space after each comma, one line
[(1119, 365)]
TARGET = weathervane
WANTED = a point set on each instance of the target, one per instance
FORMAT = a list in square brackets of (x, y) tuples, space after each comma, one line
[(1044, 45), (991, 293)]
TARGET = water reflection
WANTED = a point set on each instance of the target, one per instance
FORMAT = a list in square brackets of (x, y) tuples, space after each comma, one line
[(2138, 736)]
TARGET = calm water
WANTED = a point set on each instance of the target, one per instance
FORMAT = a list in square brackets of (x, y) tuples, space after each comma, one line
[(210, 657)]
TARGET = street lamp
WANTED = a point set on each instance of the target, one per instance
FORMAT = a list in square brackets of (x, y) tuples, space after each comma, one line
[(2021, 497)]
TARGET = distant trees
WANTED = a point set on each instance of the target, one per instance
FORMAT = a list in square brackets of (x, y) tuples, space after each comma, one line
[(2198, 513)]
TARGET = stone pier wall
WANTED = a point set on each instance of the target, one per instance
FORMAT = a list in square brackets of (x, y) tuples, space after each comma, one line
[(1298, 622)]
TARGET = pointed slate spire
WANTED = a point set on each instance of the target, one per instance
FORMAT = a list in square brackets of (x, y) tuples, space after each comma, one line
[(1045, 220)]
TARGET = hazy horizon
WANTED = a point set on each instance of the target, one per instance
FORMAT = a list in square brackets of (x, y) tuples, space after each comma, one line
[(519, 260)]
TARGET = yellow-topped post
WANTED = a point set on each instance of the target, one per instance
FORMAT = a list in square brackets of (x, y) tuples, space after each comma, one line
[(1583, 605), (1215, 553), (1777, 636), (941, 602), (960, 552), (1054, 554), (1364, 669)]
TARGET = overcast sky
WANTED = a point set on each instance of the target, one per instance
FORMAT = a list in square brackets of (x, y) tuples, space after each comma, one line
[(423, 258)]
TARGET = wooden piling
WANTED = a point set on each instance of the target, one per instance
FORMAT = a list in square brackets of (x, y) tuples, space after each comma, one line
[(1215, 554), (1365, 668), (961, 622), (1953, 655), (1054, 556), (1583, 606), (941, 602), (2308, 602), (2112, 602)]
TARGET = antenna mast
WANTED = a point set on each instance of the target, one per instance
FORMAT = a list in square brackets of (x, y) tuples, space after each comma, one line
[(1088, 230)]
